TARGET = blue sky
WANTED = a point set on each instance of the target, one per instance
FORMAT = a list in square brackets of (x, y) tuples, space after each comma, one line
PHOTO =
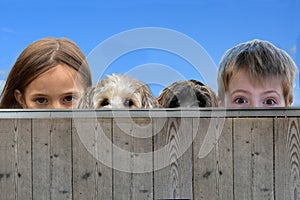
[(215, 25)]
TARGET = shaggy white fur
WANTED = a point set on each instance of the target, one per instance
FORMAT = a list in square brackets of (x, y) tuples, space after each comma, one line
[(118, 91)]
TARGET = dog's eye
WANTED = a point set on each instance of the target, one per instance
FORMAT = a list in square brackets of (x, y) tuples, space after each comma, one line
[(202, 103), (105, 102), (201, 99), (128, 103), (174, 103)]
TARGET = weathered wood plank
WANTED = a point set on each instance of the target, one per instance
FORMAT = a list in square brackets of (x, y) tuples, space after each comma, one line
[(92, 159), (173, 158), (213, 167), (23, 173), (41, 158), (287, 158), (15, 159), (52, 159), (253, 158), (61, 159), (132, 158)]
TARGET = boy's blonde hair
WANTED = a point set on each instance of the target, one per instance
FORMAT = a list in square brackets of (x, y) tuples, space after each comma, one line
[(260, 59)]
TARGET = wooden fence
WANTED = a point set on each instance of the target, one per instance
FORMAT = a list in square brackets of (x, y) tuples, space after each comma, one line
[(150, 154)]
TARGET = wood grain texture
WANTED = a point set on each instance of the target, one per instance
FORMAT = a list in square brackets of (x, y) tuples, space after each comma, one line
[(23, 170), (52, 159), (253, 158), (287, 163), (92, 178), (144, 158), (173, 149), (15, 159), (213, 172), (41, 164), (132, 159)]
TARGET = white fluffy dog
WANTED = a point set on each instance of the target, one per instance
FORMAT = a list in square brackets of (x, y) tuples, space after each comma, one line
[(118, 91)]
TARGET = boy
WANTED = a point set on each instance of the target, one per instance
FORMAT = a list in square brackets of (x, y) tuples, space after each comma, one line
[(256, 74)]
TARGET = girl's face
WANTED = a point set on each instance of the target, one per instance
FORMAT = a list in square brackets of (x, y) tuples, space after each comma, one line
[(53, 89), (244, 92)]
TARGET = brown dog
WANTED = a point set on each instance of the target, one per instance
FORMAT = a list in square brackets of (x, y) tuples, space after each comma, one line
[(187, 94)]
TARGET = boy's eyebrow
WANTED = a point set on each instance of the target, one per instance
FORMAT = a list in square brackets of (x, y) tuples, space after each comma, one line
[(271, 91), (245, 91), (239, 90)]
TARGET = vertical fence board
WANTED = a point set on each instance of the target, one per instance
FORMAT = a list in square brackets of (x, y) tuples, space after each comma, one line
[(242, 149), (52, 155), (173, 149), (7, 161), (41, 134), (204, 166), (132, 158), (92, 159), (15, 159), (253, 158), (23, 171), (225, 161), (287, 155), (143, 159), (61, 159), (213, 166)]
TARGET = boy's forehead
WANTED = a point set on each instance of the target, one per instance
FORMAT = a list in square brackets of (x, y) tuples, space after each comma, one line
[(257, 78)]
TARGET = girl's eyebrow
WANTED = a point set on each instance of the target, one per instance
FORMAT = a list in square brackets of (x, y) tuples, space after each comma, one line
[(39, 95), (71, 92)]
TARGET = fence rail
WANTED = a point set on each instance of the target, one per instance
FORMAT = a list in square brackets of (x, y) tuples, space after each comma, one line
[(150, 154)]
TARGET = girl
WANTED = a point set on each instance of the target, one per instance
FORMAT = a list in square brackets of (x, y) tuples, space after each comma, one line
[(49, 73)]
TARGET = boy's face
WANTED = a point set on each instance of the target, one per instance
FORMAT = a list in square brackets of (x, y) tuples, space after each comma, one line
[(244, 92)]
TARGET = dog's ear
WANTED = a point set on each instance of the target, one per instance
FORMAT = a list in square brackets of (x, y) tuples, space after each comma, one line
[(214, 99), (163, 98), (197, 82), (211, 95), (148, 100), (86, 100), (208, 92)]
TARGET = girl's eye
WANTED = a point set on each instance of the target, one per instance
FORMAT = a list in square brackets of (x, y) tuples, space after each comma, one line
[(270, 102), (69, 98), (240, 100), (41, 100)]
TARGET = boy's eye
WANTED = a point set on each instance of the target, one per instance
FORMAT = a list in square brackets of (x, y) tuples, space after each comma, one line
[(240, 100), (41, 100), (270, 102)]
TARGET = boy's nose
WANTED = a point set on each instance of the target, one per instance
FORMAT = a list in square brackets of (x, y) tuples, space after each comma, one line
[(255, 104)]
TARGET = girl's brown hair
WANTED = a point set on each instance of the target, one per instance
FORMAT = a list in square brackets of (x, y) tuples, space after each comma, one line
[(39, 57)]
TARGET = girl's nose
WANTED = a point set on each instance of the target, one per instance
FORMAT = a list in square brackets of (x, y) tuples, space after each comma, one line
[(57, 105)]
